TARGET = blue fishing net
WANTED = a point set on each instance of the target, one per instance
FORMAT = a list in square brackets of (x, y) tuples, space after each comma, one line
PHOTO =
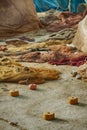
[(74, 5), (86, 1), (61, 5), (44, 5)]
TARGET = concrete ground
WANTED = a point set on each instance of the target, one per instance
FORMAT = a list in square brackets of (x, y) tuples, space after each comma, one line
[(26, 111)]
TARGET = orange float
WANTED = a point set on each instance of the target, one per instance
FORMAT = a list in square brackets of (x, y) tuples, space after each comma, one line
[(73, 100), (48, 115), (14, 93), (32, 86)]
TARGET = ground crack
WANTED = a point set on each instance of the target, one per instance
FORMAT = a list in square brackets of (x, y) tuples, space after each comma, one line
[(14, 124)]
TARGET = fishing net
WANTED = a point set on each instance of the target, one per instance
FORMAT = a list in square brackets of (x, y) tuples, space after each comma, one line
[(17, 16)]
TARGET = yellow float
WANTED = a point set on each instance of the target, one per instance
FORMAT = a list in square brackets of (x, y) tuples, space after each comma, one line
[(73, 100), (14, 93), (48, 115)]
